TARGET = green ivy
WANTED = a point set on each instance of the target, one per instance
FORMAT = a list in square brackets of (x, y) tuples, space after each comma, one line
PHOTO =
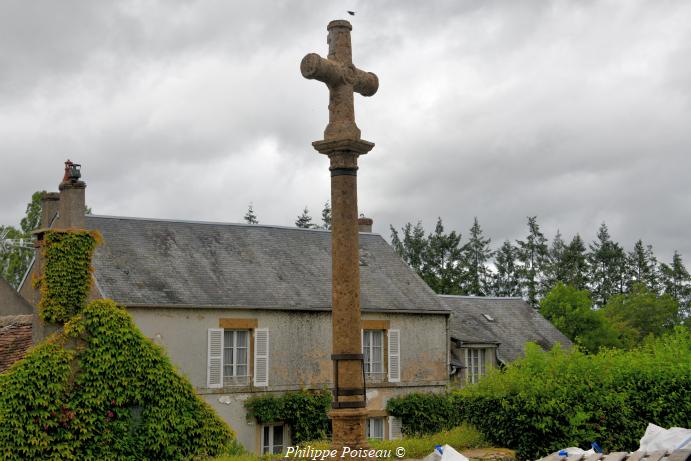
[(304, 411), (66, 276), (99, 389), (423, 414)]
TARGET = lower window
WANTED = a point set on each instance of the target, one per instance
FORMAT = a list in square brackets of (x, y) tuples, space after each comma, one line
[(375, 428), (273, 439), (476, 364)]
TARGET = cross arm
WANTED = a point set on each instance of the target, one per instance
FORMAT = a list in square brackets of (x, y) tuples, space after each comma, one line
[(335, 74)]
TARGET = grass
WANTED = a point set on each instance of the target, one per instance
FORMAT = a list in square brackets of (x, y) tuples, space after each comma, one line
[(461, 438)]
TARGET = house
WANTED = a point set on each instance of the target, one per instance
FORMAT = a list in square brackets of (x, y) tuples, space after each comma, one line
[(487, 332), (244, 310)]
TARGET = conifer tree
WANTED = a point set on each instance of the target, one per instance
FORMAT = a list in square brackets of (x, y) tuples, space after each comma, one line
[(506, 282), (412, 247), (442, 267), (642, 267), (532, 256), (556, 269), (607, 267), (304, 221), (250, 217), (576, 263), (677, 283), (475, 254), (326, 216)]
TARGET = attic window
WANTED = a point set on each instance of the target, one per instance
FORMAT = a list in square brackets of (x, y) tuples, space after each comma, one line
[(488, 317)]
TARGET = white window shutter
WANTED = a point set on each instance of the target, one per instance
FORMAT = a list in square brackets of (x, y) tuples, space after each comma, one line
[(394, 356), (395, 431), (214, 354), (261, 357)]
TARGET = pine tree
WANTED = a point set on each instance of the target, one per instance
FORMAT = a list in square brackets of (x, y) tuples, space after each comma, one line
[(576, 264), (326, 216), (304, 221), (476, 253), (677, 283), (412, 247), (506, 281), (532, 255), (642, 267), (607, 267), (250, 217), (556, 269), (442, 266)]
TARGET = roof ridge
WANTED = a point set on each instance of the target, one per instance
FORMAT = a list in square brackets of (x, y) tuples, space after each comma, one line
[(214, 223), (479, 297)]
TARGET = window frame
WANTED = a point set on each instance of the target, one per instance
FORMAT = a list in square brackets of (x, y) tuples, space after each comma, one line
[(271, 445), (475, 358), (367, 364), (234, 379), (371, 421)]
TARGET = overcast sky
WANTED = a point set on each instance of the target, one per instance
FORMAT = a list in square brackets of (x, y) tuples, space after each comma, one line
[(578, 112)]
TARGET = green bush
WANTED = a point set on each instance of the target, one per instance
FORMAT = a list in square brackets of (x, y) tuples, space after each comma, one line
[(304, 411), (100, 390), (551, 400), (425, 413)]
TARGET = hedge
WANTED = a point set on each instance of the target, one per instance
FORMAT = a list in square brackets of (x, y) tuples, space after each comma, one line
[(551, 400)]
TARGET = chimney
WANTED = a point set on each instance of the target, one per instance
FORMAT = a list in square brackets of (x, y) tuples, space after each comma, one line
[(364, 224), (49, 208), (72, 204)]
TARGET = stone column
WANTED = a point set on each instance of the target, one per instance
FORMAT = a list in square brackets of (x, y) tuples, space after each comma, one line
[(348, 423)]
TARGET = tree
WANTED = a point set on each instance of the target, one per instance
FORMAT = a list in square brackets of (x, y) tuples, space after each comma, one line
[(442, 267), (570, 311), (326, 216), (641, 312), (15, 260), (476, 253), (506, 282), (607, 267), (250, 216), (556, 268), (576, 264), (412, 247), (642, 267), (677, 282), (304, 221), (532, 256)]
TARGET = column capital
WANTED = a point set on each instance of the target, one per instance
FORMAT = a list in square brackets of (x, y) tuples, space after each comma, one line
[(357, 146)]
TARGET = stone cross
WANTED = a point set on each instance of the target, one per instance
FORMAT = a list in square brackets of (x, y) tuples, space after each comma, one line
[(342, 78), (343, 146)]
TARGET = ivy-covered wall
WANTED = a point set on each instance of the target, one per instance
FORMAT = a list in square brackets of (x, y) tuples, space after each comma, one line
[(304, 411), (66, 277), (99, 389)]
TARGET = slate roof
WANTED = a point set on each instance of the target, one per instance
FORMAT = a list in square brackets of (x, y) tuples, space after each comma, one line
[(514, 323), (10, 301), (15, 338), (149, 262)]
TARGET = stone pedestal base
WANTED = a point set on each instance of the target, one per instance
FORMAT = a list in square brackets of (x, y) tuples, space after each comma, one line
[(348, 428)]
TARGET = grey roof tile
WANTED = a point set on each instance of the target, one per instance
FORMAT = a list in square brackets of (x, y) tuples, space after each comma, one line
[(514, 324), (180, 263)]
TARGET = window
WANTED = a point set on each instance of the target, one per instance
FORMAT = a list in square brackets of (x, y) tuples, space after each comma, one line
[(375, 428), (373, 349), (236, 347), (273, 439), (475, 361), (230, 359)]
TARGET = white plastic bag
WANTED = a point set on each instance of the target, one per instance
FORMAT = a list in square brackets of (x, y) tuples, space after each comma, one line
[(658, 438), (447, 454)]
